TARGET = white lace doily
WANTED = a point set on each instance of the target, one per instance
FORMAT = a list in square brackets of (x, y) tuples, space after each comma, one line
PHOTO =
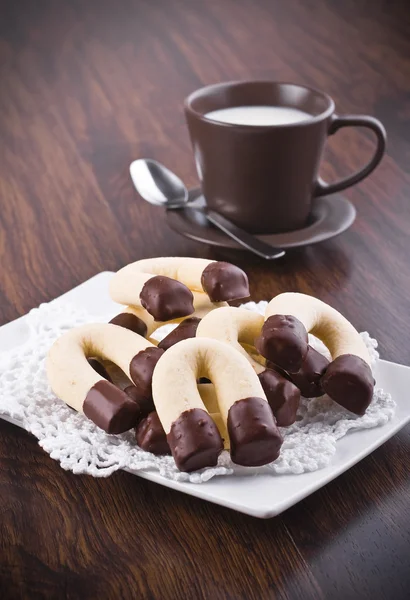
[(81, 447)]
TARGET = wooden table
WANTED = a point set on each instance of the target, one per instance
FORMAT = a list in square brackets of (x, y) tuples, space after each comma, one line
[(85, 87)]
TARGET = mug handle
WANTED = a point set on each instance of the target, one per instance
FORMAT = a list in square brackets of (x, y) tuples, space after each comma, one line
[(323, 188)]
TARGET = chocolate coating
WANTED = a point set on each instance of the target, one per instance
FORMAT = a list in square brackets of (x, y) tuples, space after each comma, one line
[(284, 341), (194, 440), (99, 367), (150, 435), (270, 365), (283, 396), (223, 281), (254, 437), (185, 330), (308, 378), (110, 408), (130, 321), (349, 382), (165, 298), (142, 367), (146, 404)]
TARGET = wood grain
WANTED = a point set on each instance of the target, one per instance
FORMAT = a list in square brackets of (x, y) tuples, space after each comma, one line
[(85, 87)]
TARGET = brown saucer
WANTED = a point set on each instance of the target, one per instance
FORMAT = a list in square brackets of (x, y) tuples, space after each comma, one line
[(330, 216)]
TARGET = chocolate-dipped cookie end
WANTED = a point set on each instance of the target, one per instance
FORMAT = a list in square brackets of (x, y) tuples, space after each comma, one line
[(194, 440), (142, 368), (150, 435), (145, 403), (283, 341), (223, 281), (165, 298), (309, 377), (282, 395), (349, 382), (130, 321), (110, 408), (184, 331), (254, 437)]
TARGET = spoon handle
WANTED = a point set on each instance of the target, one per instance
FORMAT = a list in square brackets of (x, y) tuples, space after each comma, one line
[(243, 238)]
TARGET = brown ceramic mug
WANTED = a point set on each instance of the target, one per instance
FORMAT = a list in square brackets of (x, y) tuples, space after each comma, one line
[(265, 177)]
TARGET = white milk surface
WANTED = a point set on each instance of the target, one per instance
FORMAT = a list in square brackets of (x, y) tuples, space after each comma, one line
[(258, 115)]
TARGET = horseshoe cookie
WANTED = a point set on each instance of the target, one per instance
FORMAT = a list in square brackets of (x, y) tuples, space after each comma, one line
[(237, 326), (284, 340), (192, 435), (76, 382), (164, 286)]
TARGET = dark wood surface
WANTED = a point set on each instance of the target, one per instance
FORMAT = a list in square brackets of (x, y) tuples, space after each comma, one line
[(85, 87)]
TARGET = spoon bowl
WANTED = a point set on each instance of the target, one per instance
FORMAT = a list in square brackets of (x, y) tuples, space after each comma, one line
[(157, 184)]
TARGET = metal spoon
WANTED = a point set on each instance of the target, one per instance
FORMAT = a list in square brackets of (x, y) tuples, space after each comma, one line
[(160, 186)]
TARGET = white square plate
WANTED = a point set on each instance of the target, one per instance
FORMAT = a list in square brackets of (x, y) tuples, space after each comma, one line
[(262, 495)]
